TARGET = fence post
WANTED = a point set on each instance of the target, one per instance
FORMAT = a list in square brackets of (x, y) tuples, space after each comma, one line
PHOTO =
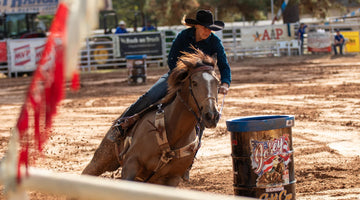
[(88, 54), (234, 43), (163, 44)]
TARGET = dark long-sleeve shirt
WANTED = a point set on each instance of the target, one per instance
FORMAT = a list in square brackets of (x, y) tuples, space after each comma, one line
[(210, 46)]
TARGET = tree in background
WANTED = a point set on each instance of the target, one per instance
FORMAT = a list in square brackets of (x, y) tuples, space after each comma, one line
[(159, 12), (237, 10), (318, 8), (170, 12), (130, 11)]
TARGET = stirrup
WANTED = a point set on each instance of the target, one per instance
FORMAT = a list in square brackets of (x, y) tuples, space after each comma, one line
[(122, 131), (119, 125), (127, 122), (115, 133)]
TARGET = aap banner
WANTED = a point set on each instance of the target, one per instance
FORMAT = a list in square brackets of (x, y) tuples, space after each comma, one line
[(140, 44), (265, 36)]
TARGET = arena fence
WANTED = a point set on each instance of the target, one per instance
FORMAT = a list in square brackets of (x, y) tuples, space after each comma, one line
[(106, 51), (232, 37), (3, 69), (89, 187), (99, 51)]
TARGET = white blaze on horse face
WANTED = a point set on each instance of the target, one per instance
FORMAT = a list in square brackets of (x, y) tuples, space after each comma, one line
[(209, 79)]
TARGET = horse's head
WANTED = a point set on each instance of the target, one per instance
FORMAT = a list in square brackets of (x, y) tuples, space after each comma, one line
[(196, 82)]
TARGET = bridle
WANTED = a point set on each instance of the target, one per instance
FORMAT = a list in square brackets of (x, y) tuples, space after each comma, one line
[(199, 125)]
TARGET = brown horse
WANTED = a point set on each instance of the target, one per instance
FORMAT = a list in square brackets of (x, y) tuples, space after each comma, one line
[(161, 146)]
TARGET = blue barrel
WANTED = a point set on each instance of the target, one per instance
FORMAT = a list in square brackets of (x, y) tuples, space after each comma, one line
[(136, 65), (262, 156)]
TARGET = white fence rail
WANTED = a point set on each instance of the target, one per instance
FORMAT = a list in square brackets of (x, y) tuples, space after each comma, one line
[(95, 188)]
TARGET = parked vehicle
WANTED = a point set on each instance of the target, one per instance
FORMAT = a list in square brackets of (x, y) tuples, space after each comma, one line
[(21, 26)]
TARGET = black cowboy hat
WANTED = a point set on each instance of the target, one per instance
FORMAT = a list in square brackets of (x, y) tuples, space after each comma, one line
[(205, 18)]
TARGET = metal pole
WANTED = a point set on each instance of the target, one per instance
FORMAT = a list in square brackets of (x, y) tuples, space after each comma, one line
[(272, 9), (216, 13)]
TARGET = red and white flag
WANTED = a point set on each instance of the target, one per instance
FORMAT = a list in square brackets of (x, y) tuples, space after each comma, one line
[(73, 21)]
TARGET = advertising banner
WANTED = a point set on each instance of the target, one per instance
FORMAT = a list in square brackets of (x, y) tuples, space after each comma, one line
[(140, 44), (45, 7), (25, 54), (352, 41), (265, 36), (319, 41), (3, 52)]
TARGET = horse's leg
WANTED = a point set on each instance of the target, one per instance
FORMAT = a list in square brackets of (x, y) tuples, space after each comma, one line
[(130, 169), (104, 159), (172, 181)]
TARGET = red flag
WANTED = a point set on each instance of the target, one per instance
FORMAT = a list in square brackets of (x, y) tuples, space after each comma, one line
[(45, 91), (73, 18)]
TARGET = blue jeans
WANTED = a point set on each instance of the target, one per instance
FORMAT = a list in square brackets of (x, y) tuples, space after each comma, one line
[(154, 94), (340, 48)]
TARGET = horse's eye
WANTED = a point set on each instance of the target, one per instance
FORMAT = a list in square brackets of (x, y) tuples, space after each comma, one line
[(194, 83)]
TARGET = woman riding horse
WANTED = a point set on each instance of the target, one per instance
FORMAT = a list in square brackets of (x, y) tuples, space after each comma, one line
[(161, 146), (198, 35)]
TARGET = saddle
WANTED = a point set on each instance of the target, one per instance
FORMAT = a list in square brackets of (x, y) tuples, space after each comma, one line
[(120, 126)]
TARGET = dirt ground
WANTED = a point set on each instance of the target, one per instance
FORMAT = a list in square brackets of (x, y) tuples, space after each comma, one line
[(321, 91)]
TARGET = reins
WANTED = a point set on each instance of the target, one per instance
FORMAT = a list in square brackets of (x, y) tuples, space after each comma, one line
[(199, 125), (222, 106)]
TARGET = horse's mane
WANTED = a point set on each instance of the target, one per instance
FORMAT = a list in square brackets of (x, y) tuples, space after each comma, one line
[(185, 64)]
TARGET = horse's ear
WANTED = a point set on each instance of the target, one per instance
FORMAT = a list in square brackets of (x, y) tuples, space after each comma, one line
[(182, 76), (177, 76), (187, 63)]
